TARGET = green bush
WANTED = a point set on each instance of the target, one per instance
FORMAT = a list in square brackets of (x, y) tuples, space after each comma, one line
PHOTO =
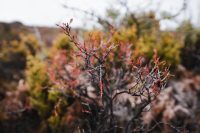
[(165, 44), (190, 53), (13, 56), (38, 83), (49, 102)]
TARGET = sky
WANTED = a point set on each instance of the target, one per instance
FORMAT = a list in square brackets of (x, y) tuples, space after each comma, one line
[(51, 12)]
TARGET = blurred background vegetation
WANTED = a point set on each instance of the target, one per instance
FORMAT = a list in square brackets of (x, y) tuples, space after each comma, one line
[(27, 104)]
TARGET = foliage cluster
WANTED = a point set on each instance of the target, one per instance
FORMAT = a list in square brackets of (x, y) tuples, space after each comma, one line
[(13, 54), (190, 53)]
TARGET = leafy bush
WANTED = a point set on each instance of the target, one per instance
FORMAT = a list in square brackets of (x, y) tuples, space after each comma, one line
[(167, 46), (45, 96), (190, 54), (63, 43), (38, 82), (13, 59)]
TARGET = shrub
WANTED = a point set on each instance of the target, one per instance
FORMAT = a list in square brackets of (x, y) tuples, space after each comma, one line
[(13, 59), (45, 94), (190, 53), (100, 85), (167, 46), (38, 82)]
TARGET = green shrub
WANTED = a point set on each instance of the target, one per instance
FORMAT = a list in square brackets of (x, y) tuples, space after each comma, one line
[(38, 83), (49, 102), (13, 56), (166, 45), (190, 53)]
